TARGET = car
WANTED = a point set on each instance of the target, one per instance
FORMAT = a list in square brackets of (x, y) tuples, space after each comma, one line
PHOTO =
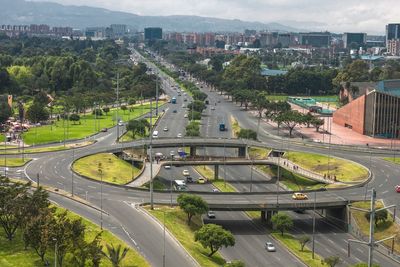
[(165, 129), (185, 99), (120, 123), (211, 214), (299, 196), (201, 180), (219, 101), (212, 108), (185, 173), (167, 167), (104, 130), (397, 188), (270, 247), (189, 179), (179, 135), (215, 190), (185, 116), (174, 111)]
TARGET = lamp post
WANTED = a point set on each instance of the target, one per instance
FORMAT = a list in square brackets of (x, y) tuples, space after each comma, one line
[(72, 171), (5, 154), (313, 224), (151, 156), (100, 169), (164, 242), (55, 251)]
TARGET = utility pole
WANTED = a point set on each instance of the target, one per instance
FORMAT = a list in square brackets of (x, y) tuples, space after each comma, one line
[(157, 96), (372, 243), (118, 107), (5, 154), (72, 171), (313, 224)]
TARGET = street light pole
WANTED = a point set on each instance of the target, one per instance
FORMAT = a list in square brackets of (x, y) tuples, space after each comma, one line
[(151, 156), (55, 252), (100, 169), (118, 107), (313, 224), (164, 242), (5, 154), (72, 171)]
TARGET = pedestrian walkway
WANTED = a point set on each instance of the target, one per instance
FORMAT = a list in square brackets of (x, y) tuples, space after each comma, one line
[(145, 176)]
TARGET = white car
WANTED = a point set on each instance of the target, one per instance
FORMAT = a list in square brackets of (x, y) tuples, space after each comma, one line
[(212, 108), (211, 214), (185, 173), (270, 247), (179, 135), (172, 153), (167, 167), (185, 116)]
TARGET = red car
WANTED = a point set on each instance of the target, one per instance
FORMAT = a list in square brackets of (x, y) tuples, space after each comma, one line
[(397, 188)]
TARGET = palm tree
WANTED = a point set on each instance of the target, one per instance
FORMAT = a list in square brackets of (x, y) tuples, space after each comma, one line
[(115, 255)]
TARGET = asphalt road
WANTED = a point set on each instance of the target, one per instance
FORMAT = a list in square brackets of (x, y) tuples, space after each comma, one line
[(53, 169)]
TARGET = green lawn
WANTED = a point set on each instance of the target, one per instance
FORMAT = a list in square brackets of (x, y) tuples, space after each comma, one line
[(176, 223), (235, 127), (290, 242), (220, 184), (115, 170), (13, 254), (345, 171), (88, 126), (13, 162), (47, 149), (383, 230), (392, 159)]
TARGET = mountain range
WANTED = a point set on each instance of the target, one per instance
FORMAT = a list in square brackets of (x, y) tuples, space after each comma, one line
[(17, 12)]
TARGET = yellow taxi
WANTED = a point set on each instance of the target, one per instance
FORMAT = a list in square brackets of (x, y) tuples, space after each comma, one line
[(299, 196)]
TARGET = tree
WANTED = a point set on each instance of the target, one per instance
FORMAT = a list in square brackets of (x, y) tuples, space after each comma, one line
[(74, 117), (95, 250), (5, 109), (260, 103), (332, 261), (317, 123), (282, 222), (380, 216), (124, 108), (303, 240), (290, 118), (98, 112), (247, 134), (40, 231), (197, 105), (115, 255), (213, 236), (192, 205), (13, 203), (136, 127), (236, 263), (106, 110), (37, 113)]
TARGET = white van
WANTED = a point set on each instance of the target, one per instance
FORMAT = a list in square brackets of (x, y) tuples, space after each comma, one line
[(155, 134)]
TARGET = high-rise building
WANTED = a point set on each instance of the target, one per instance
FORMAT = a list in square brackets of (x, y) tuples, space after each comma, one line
[(354, 39), (118, 30), (393, 47), (392, 32), (315, 39), (153, 33)]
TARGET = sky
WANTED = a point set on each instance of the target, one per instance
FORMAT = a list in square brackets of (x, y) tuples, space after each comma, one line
[(369, 16)]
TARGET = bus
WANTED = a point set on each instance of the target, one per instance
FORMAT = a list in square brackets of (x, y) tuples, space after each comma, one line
[(180, 185), (155, 134)]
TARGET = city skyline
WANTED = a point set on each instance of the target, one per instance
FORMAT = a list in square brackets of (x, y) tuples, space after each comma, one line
[(339, 16)]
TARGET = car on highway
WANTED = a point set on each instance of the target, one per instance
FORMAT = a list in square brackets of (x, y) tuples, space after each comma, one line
[(179, 135), (189, 179), (174, 111), (165, 129), (167, 167), (397, 188), (104, 130), (172, 153), (185, 116), (299, 196), (270, 247), (185, 173), (212, 108), (215, 190), (211, 214), (201, 180)]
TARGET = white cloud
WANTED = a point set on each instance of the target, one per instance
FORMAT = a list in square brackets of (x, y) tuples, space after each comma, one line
[(336, 15)]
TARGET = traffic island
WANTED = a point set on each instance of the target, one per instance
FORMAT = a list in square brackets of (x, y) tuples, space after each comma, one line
[(14, 162), (107, 167)]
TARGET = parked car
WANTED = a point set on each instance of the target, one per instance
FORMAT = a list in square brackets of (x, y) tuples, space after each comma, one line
[(211, 214), (270, 247), (299, 196)]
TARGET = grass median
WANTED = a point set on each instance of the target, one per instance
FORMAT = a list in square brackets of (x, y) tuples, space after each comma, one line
[(258, 152), (345, 171), (46, 149), (13, 162), (392, 159), (220, 184), (14, 254), (235, 126), (176, 223), (383, 229), (114, 169)]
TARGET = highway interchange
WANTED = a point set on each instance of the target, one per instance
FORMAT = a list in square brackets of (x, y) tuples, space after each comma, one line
[(128, 221)]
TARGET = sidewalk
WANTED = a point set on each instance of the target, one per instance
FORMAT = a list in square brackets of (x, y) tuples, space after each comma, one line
[(145, 176)]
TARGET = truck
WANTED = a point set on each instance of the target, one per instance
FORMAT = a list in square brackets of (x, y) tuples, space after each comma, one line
[(173, 100)]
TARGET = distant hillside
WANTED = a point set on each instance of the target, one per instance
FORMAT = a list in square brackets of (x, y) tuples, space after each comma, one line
[(23, 12)]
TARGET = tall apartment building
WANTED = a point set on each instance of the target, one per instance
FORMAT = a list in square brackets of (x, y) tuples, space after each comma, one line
[(392, 32), (393, 47), (118, 30)]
